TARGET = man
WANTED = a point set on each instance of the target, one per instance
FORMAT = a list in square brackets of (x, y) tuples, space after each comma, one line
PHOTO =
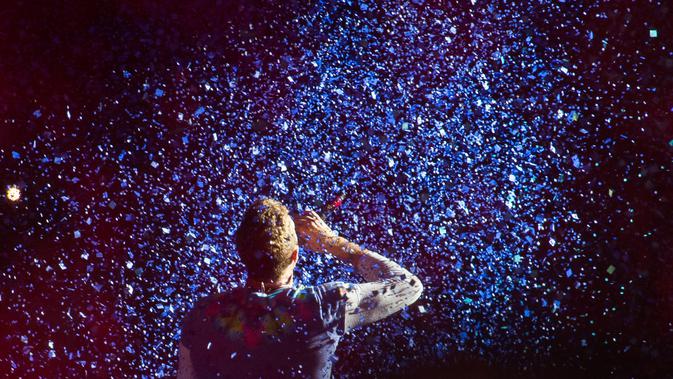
[(271, 328)]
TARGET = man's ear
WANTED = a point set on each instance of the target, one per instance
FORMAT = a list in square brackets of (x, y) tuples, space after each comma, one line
[(295, 254)]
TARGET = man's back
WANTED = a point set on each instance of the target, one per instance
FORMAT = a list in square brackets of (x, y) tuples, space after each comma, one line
[(289, 332)]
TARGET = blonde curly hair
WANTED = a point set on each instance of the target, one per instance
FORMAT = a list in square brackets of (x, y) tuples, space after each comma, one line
[(266, 238)]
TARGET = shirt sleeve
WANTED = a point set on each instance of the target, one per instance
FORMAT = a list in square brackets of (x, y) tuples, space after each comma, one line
[(389, 288), (334, 298)]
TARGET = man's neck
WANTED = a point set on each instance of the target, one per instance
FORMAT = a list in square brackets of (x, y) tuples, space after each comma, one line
[(270, 285)]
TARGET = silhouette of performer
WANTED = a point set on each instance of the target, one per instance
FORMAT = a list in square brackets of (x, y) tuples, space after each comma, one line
[(271, 328)]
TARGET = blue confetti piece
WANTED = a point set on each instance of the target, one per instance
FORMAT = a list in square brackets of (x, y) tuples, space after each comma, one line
[(576, 161), (199, 111)]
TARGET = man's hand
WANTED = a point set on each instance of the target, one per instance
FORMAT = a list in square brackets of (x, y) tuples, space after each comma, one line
[(312, 232)]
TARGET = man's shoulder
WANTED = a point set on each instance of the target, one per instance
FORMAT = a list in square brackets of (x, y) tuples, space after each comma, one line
[(335, 294), (205, 299), (338, 288), (203, 303), (328, 292), (320, 290)]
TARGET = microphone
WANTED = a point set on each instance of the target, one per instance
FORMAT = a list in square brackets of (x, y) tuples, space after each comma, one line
[(328, 207)]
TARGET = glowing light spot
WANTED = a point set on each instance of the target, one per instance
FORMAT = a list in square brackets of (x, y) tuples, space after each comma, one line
[(13, 193)]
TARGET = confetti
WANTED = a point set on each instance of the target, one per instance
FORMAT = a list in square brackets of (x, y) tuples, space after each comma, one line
[(498, 150)]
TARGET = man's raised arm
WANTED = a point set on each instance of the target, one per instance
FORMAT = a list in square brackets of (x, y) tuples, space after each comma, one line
[(388, 287)]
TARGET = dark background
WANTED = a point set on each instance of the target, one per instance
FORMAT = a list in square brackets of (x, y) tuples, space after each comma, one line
[(541, 225)]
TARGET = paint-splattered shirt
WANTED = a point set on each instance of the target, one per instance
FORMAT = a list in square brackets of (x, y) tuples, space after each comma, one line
[(290, 332)]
